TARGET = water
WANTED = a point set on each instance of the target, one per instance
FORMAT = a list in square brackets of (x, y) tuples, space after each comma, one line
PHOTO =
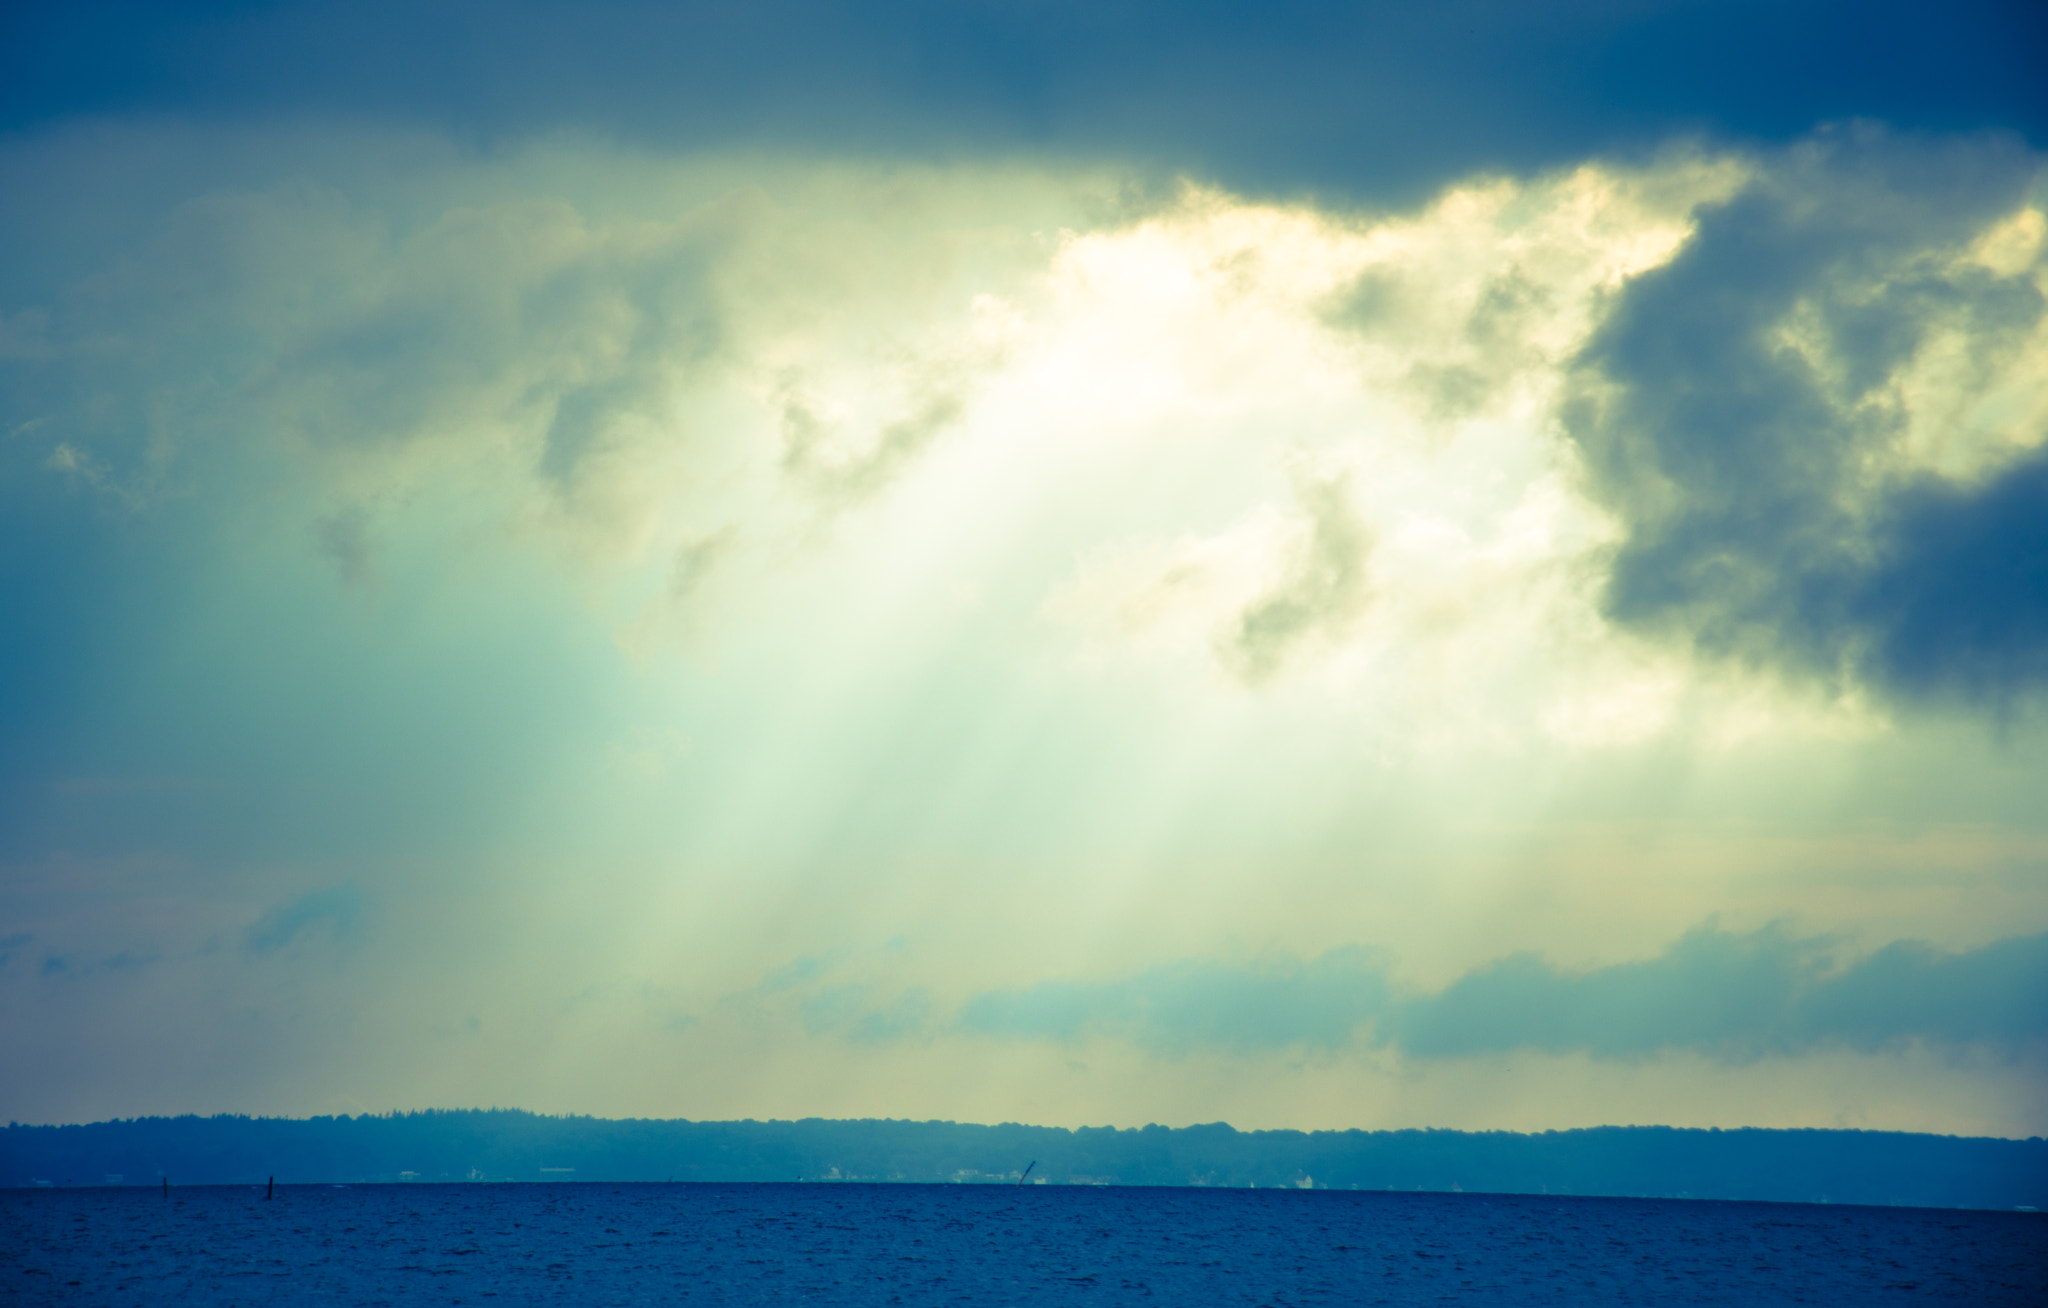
[(598, 1244)]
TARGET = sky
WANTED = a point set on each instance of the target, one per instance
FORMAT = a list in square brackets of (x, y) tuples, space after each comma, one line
[(1476, 566)]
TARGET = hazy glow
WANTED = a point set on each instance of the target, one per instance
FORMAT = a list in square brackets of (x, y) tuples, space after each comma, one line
[(635, 635)]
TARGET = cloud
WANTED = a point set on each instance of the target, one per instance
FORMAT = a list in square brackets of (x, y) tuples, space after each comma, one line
[(344, 538), (1957, 599), (1733, 997), (1299, 469), (848, 1009), (1276, 445), (861, 430), (65, 966), (1323, 591), (1290, 95), (337, 911), (518, 324), (1995, 995), (1181, 1006), (852, 475), (1273, 446), (1713, 992), (1823, 423), (694, 561), (1256, 598), (796, 973)]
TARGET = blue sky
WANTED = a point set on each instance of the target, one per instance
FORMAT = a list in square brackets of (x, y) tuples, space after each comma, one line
[(1465, 567)]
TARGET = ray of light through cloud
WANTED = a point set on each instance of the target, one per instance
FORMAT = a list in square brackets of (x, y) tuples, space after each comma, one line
[(597, 625)]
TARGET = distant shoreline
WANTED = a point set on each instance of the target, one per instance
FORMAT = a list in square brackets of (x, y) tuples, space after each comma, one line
[(505, 1145)]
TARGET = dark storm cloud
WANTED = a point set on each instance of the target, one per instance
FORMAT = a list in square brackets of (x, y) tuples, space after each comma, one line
[(1292, 94), (1959, 601), (1730, 996), (1740, 410)]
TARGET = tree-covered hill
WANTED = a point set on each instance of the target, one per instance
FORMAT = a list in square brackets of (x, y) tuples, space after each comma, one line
[(507, 1145)]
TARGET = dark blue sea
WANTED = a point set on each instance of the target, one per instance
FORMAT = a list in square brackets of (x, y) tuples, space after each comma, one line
[(601, 1244)]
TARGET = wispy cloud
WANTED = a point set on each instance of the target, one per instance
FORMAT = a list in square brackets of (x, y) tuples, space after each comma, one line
[(336, 913), (64, 966), (1323, 591), (1319, 1004)]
